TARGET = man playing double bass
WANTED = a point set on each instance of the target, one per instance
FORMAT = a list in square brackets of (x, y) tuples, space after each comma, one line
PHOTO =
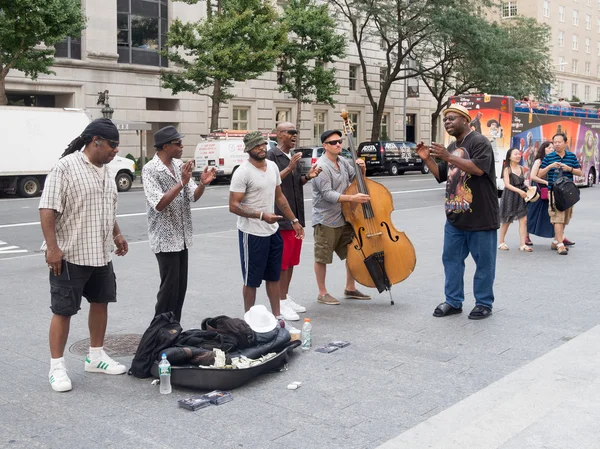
[(331, 232)]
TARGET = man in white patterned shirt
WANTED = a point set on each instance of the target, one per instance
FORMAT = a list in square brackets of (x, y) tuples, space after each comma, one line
[(169, 192), (78, 217)]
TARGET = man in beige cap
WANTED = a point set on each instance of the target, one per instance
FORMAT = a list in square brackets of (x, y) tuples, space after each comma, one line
[(467, 167), (254, 191)]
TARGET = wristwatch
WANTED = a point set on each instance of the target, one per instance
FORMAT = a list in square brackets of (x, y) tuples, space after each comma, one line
[(294, 221)]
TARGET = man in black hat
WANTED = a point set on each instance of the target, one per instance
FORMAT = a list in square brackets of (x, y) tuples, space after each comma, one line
[(169, 190), (331, 232), (78, 217)]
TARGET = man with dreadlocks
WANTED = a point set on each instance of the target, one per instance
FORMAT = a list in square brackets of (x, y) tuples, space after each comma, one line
[(78, 217)]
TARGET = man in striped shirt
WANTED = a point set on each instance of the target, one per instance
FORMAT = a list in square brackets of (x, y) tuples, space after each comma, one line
[(559, 163)]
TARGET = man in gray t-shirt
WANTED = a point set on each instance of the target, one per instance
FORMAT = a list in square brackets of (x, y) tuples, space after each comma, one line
[(253, 193), (331, 232)]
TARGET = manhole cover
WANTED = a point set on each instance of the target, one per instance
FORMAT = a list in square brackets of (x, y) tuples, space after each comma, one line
[(114, 345)]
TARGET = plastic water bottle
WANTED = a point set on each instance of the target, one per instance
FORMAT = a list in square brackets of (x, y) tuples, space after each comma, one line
[(306, 334), (164, 372)]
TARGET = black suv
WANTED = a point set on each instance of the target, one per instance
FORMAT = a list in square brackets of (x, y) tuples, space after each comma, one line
[(394, 158)]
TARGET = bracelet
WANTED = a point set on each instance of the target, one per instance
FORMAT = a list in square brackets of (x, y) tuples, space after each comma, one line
[(307, 178), (118, 235), (261, 215)]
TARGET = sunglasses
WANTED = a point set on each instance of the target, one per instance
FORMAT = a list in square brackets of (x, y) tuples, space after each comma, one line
[(112, 143), (334, 142), (292, 132), (179, 143)]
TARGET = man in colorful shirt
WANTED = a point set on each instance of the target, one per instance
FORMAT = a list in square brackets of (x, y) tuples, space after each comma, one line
[(170, 190)]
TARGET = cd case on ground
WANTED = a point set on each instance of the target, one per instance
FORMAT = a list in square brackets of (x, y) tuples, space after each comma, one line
[(216, 397)]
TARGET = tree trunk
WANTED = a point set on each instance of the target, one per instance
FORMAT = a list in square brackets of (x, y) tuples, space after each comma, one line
[(298, 119), (3, 99), (216, 106), (376, 130), (434, 127)]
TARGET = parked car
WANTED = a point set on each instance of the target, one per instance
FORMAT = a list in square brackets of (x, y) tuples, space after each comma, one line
[(393, 158), (310, 155)]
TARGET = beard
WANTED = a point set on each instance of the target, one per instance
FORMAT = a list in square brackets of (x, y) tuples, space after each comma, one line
[(257, 157)]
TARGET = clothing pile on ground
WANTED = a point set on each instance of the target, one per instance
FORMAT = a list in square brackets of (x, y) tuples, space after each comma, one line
[(221, 342)]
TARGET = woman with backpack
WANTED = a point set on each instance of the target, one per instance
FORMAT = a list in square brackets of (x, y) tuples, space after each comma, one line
[(512, 204)]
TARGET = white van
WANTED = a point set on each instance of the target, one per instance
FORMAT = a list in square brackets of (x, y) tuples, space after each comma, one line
[(224, 154)]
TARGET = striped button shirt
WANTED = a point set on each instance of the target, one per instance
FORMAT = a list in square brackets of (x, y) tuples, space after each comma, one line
[(568, 159), (85, 203)]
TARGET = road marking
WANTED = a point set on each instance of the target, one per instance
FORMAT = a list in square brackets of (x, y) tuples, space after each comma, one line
[(194, 209), (10, 249)]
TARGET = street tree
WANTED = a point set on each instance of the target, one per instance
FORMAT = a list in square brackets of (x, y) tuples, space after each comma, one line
[(468, 53), (239, 40), (399, 28), (28, 31), (312, 43)]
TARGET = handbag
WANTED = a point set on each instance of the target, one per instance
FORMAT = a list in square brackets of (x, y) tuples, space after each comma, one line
[(543, 192)]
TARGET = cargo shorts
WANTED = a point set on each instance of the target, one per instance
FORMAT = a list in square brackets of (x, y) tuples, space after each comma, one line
[(559, 216), (329, 240), (97, 284)]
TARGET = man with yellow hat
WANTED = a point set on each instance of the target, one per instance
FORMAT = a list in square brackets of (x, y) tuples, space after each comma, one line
[(467, 167)]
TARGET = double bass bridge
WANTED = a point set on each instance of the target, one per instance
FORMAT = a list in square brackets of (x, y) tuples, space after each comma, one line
[(375, 234)]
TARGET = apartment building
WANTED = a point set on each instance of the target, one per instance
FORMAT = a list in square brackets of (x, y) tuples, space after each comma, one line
[(118, 52), (575, 42)]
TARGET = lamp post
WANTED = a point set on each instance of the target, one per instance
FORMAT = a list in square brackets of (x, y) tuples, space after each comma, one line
[(107, 111)]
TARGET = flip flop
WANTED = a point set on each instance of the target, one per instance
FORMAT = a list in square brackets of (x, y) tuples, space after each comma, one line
[(445, 309)]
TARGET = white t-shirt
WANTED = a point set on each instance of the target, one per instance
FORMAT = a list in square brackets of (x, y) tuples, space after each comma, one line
[(259, 188)]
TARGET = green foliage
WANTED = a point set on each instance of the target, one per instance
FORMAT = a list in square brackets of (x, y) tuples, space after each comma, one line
[(312, 42), (239, 42), (29, 29), (575, 99)]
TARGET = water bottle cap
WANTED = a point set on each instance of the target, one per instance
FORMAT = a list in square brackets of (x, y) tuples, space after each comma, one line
[(164, 355), (307, 320)]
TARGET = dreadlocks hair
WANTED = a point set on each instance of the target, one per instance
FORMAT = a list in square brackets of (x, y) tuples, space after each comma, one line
[(77, 144)]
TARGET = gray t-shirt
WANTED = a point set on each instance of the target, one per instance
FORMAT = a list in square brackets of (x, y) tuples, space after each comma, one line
[(327, 188), (259, 188)]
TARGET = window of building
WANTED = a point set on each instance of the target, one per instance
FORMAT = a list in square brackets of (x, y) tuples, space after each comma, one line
[(575, 44), (587, 93), (162, 104), (385, 128), (598, 70), (561, 38), (319, 125), (561, 64), (69, 48), (588, 22), (597, 93), (561, 13), (239, 118), (598, 48), (588, 46), (352, 77), (355, 119), (509, 9), (546, 8), (142, 31), (574, 90), (561, 88), (280, 75), (598, 25), (588, 68), (282, 115), (574, 66), (575, 18)]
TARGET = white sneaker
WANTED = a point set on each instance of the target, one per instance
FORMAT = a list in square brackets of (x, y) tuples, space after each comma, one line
[(294, 305), (287, 313), (104, 364), (59, 380)]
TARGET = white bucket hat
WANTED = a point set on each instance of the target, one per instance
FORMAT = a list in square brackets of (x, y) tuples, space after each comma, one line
[(260, 319)]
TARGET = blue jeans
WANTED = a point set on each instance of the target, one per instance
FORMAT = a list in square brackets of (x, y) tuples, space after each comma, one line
[(457, 246)]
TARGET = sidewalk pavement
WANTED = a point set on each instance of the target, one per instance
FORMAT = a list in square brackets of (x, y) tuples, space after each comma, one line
[(403, 366), (551, 403)]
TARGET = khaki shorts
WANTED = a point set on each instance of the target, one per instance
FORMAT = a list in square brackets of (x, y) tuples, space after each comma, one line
[(329, 240), (557, 216)]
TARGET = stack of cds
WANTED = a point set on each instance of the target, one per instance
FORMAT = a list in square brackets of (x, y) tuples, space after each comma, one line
[(216, 397)]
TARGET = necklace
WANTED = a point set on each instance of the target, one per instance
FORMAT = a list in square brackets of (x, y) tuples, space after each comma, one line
[(463, 139)]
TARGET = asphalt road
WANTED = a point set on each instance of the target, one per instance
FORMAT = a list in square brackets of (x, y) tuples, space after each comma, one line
[(21, 235)]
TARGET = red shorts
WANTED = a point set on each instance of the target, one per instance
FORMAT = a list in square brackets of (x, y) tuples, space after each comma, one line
[(291, 249)]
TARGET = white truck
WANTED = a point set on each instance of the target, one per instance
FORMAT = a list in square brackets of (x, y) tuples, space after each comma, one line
[(33, 139)]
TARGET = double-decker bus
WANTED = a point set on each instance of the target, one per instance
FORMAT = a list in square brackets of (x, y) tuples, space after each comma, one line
[(525, 125)]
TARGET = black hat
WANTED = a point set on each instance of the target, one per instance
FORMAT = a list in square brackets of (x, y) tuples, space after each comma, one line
[(166, 135), (491, 122), (328, 133)]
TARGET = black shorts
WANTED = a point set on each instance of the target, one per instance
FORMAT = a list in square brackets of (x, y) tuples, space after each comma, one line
[(97, 284), (260, 258)]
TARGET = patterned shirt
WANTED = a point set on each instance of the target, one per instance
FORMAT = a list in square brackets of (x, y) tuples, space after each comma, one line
[(85, 203), (568, 159), (169, 230)]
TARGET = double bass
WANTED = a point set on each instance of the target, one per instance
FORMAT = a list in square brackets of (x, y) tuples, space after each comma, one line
[(379, 255)]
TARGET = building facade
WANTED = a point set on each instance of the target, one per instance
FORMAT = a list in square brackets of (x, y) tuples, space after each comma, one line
[(118, 52), (575, 43)]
